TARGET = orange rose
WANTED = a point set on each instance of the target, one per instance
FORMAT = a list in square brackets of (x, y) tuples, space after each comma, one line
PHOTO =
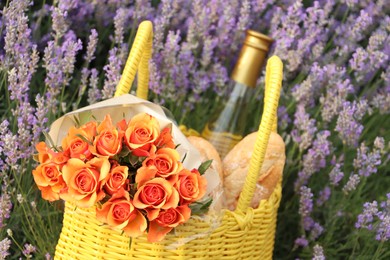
[(89, 130), (145, 174), (165, 139), (77, 144), (166, 161), (166, 221), (119, 213), (49, 180), (59, 158), (117, 179), (108, 142), (142, 131), (43, 152), (85, 181), (190, 185), (154, 195), (122, 125)]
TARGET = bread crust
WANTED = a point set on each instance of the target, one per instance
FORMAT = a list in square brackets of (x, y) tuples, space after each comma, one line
[(207, 152), (236, 166)]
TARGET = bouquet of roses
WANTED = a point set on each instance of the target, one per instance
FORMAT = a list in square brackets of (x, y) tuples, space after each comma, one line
[(131, 171)]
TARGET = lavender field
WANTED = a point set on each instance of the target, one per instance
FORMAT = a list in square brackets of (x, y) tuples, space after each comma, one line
[(334, 115)]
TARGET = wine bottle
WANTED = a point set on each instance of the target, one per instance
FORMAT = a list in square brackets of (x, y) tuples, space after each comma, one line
[(226, 127)]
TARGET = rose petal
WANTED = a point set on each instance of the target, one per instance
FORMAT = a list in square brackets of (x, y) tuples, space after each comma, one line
[(156, 232), (137, 226)]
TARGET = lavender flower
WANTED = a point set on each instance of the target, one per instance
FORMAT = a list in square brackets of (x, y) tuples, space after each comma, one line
[(9, 146), (5, 206), (5, 244), (348, 127), (376, 219), (244, 18), (122, 15), (59, 64), (318, 253), (383, 231), (351, 184), (60, 24), (306, 126), (305, 201), (323, 196), (161, 23), (367, 217), (316, 231), (17, 34), (336, 175), (112, 75), (366, 162), (28, 250), (91, 47), (301, 241), (283, 117), (315, 159), (69, 49), (94, 93)]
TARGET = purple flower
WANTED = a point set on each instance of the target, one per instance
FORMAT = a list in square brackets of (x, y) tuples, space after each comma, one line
[(5, 244), (284, 119), (323, 196), (301, 241), (5, 206), (9, 148), (113, 73), (59, 62), (351, 184), (17, 33), (348, 127), (91, 47), (316, 231), (94, 93), (383, 230), (305, 201), (376, 219), (336, 175), (305, 128), (244, 19), (60, 23), (122, 15), (366, 162), (318, 253), (28, 250), (315, 158)]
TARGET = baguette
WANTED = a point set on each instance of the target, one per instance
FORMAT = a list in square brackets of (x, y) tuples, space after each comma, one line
[(236, 166)]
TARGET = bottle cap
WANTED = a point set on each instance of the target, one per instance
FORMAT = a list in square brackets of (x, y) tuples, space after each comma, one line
[(251, 58)]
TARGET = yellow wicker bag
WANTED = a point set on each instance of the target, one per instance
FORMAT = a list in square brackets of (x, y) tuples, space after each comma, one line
[(245, 233)]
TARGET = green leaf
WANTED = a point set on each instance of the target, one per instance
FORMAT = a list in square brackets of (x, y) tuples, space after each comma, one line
[(124, 152), (84, 139), (185, 156), (77, 121), (51, 142), (199, 208), (204, 166)]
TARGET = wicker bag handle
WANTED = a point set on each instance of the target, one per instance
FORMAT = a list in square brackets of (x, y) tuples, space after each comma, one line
[(138, 59), (139, 56)]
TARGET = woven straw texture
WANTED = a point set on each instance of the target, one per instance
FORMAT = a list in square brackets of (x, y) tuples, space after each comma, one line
[(245, 233)]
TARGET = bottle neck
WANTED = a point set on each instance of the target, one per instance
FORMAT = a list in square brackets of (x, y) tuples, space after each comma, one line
[(251, 58), (248, 66)]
